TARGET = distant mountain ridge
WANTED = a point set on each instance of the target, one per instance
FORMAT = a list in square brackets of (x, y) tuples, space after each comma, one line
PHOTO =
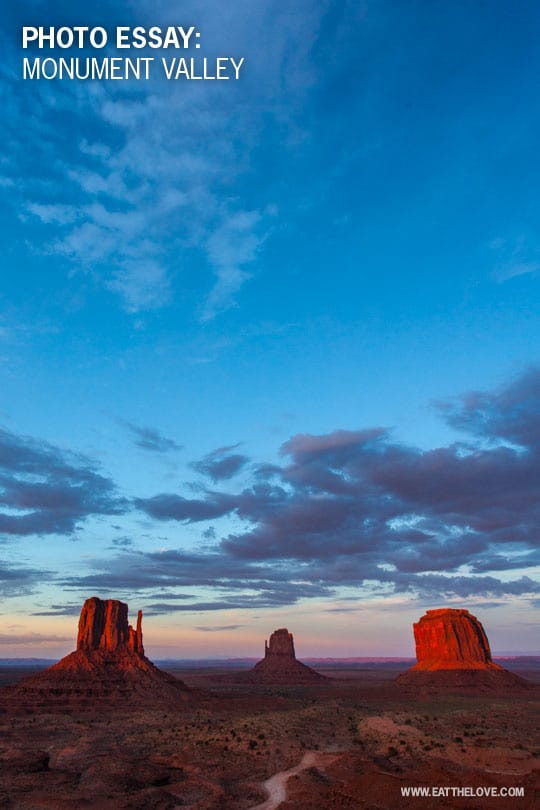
[(191, 662)]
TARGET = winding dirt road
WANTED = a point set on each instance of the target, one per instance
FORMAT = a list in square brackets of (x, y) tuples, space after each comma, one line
[(276, 785)]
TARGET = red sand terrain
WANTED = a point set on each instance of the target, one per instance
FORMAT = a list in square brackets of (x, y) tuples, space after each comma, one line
[(366, 740)]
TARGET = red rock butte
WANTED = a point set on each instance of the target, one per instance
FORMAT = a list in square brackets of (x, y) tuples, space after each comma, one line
[(279, 665), (450, 638), (103, 625), (108, 670), (281, 643), (452, 649)]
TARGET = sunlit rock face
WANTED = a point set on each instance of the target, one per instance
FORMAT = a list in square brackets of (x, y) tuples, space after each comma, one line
[(108, 670), (103, 625), (452, 652), (451, 639)]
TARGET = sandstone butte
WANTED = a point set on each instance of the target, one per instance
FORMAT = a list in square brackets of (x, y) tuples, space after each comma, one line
[(452, 650), (108, 670), (279, 665)]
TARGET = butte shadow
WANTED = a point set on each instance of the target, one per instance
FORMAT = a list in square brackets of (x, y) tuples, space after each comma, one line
[(452, 652), (108, 671)]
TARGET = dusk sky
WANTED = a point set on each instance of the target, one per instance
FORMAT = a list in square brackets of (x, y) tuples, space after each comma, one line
[(269, 348)]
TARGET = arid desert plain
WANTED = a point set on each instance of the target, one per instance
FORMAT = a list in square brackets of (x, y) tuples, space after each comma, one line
[(352, 741)]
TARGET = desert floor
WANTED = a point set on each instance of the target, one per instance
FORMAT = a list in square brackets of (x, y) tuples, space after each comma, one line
[(353, 743)]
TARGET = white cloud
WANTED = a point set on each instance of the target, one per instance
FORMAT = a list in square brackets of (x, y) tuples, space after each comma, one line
[(142, 284), (59, 214), (233, 244)]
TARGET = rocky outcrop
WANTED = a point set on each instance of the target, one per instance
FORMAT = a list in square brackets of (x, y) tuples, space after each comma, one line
[(281, 643), (452, 650), (279, 665), (451, 639), (103, 625), (107, 671)]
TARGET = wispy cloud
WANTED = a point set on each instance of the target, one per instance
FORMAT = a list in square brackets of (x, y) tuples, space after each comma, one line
[(148, 438), (221, 464), (232, 246), (221, 628), (72, 609), (517, 256), (18, 581), (159, 176), (30, 638)]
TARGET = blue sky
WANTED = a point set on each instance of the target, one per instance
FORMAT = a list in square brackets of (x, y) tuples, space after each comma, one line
[(241, 323)]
